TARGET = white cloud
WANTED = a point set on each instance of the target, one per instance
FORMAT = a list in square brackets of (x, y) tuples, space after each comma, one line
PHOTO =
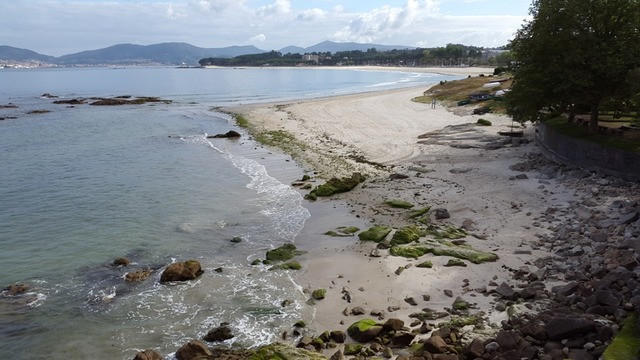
[(279, 7), (217, 5), (311, 15), (260, 38)]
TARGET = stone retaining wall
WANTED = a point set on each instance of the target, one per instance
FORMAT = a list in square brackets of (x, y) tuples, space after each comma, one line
[(571, 151)]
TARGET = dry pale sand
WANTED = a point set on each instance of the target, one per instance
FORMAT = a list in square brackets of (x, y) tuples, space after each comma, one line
[(451, 169)]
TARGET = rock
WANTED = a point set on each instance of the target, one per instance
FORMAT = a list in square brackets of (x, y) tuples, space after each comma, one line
[(364, 330), (221, 333), (393, 325), (236, 239), (352, 349), (229, 134), (337, 356), (182, 271), (283, 253), (411, 301), (469, 225), (441, 214), (521, 177), (318, 294), (475, 349), (435, 345), (460, 170), (148, 355), (375, 234), (122, 261), (599, 236), (387, 353), (338, 336), (336, 186), (137, 275), (358, 310), (282, 351), (455, 262), (629, 218), (449, 293), (508, 340), (562, 327), (192, 350), (607, 298), (506, 291), (402, 339), (566, 290), (16, 289), (398, 177)]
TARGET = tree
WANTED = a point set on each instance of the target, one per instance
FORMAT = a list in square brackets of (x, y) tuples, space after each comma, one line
[(574, 54)]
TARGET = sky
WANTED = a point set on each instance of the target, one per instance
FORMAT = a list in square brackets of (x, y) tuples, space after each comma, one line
[(59, 27)]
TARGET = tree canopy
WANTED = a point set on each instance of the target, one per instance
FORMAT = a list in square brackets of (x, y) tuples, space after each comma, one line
[(574, 55)]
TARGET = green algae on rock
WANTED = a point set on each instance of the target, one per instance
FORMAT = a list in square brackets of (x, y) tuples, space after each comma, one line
[(291, 265), (398, 203), (343, 231), (418, 213), (446, 232), (279, 351), (336, 186), (455, 262), (285, 252), (459, 252), (407, 234), (352, 349), (364, 330), (625, 346), (483, 122), (375, 234), (425, 264), (318, 294)]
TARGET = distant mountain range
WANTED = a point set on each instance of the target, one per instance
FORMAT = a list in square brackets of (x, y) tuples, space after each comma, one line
[(168, 53)]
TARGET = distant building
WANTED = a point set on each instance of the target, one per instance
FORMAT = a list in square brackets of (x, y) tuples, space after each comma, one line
[(309, 57)]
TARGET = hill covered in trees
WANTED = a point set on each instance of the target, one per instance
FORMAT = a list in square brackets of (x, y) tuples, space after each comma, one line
[(451, 55)]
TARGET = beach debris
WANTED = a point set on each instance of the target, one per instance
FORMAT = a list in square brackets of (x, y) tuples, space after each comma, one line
[(376, 233), (182, 271)]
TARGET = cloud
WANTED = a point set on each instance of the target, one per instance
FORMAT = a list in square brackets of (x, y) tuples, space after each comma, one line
[(279, 7), (216, 5), (260, 38), (311, 15)]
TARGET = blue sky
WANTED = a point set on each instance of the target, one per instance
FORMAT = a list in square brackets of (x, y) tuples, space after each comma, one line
[(58, 27)]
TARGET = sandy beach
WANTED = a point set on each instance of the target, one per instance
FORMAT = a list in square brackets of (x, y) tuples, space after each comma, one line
[(484, 181)]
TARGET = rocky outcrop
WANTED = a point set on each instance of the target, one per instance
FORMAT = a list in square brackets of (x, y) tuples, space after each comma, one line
[(218, 334), (194, 349), (182, 271), (148, 355), (228, 135)]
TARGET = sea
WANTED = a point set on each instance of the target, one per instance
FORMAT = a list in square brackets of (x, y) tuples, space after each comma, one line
[(82, 185)]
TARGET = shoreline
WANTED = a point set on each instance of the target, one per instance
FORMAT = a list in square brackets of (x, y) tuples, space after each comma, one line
[(496, 189), (470, 70)]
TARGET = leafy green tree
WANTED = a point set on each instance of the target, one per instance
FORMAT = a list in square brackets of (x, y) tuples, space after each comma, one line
[(574, 54)]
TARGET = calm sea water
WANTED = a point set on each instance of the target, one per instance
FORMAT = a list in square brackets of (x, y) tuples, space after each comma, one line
[(80, 186)]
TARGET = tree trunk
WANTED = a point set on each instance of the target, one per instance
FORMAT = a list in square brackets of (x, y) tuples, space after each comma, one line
[(593, 121)]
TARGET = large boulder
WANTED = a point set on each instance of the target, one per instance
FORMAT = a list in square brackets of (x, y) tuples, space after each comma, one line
[(221, 333), (364, 330), (192, 350), (561, 328), (182, 271)]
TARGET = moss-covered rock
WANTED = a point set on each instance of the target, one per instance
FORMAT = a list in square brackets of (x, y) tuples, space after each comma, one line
[(319, 294), (483, 122), (283, 253), (413, 252), (352, 349), (398, 203), (460, 304), (291, 265), (300, 324), (425, 264), (338, 185), (458, 252), (418, 213), (407, 234), (446, 232), (626, 345), (364, 330), (375, 234), (343, 231), (455, 262), (278, 351), (462, 321)]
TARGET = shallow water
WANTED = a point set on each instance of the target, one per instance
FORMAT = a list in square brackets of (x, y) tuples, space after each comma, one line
[(83, 185)]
